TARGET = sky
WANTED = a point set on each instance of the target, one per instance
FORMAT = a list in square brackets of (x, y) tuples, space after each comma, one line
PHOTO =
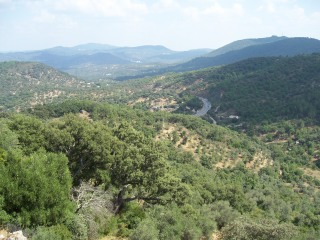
[(176, 24)]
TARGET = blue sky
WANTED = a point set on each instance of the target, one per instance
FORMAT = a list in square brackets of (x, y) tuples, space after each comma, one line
[(176, 24)]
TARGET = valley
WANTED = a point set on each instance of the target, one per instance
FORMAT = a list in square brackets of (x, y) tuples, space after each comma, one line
[(200, 144)]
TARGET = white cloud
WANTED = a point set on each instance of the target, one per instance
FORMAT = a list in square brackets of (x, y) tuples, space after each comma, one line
[(215, 9), (45, 17), (268, 7), (238, 9), (102, 7), (192, 12), (168, 4), (58, 20)]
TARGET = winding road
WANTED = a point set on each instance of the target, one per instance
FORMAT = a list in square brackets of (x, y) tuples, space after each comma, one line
[(205, 108)]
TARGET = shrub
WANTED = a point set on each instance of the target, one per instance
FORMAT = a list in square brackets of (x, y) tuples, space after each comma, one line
[(57, 232)]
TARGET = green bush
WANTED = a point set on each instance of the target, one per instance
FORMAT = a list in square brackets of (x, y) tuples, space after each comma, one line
[(146, 230), (78, 227), (248, 229), (57, 232), (36, 189)]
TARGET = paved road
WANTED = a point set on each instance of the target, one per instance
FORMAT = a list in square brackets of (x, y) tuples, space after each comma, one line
[(205, 108)]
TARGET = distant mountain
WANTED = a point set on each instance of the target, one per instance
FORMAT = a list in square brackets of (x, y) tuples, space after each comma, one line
[(176, 57), (156, 53), (114, 55), (140, 53), (285, 47), (240, 44), (64, 62), (89, 48)]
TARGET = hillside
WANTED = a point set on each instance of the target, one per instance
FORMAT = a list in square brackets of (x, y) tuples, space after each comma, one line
[(149, 176), (285, 47), (270, 89), (24, 84), (256, 90), (284, 87)]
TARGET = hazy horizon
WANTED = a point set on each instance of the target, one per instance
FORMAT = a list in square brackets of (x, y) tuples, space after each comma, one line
[(115, 46), (27, 25)]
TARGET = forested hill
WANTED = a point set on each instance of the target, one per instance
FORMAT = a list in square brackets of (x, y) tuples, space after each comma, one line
[(270, 89), (113, 170), (256, 90), (26, 83), (240, 44), (285, 47)]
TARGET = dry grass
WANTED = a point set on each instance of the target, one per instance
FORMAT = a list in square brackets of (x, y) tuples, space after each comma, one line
[(229, 163), (113, 238), (259, 161), (312, 173), (216, 236), (85, 115), (187, 141), (139, 100), (198, 146)]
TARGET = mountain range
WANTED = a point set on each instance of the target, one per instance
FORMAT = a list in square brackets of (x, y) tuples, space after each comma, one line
[(102, 61), (249, 48), (240, 50), (64, 58)]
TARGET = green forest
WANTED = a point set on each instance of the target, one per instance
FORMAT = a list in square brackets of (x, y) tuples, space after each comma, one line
[(83, 170), (128, 160)]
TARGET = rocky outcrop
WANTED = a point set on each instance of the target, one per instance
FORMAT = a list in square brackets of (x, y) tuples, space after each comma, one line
[(18, 235)]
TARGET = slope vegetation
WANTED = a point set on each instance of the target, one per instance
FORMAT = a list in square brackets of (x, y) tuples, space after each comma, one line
[(256, 90), (125, 182), (25, 83), (124, 171), (270, 89)]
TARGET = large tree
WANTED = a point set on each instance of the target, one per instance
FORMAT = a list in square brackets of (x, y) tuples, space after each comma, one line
[(36, 189), (140, 170)]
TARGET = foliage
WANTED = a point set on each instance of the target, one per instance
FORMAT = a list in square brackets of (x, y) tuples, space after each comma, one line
[(269, 89), (56, 232), (28, 201), (126, 183), (146, 230), (246, 229)]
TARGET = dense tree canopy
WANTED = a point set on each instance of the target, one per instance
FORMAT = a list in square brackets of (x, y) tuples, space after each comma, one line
[(83, 169)]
